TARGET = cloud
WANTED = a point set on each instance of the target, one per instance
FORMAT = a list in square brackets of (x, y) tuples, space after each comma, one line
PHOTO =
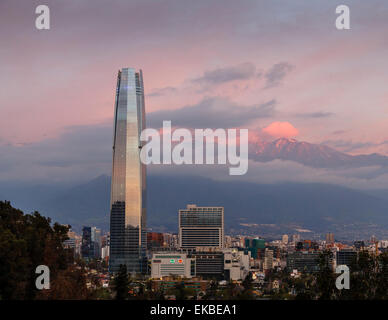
[(318, 114), (350, 145), (283, 171), (215, 112), (242, 71), (337, 132), (84, 152), (81, 152), (277, 73), (161, 92), (281, 130)]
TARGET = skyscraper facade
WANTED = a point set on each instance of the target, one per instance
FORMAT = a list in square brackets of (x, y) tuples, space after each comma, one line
[(86, 246), (128, 191), (201, 227), (329, 238)]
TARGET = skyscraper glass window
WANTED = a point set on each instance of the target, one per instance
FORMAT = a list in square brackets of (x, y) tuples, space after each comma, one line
[(128, 191), (201, 227)]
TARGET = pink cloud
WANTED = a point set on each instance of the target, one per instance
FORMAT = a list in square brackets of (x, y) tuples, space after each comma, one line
[(281, 130)]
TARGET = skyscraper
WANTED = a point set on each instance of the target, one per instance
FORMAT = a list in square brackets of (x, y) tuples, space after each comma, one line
[(86, 246), (201, 227), (96, 242), (329, 238), (128, 192)]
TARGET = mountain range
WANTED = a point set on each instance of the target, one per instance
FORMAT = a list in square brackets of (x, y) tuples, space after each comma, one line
[(312, 155), (265, 209), (249, 207)]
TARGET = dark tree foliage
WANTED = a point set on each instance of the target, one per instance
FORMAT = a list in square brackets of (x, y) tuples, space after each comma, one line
[(29, 240), (212, 291), (368, 278), (121, 283), (325, 280), (180, 291), (247, 284)]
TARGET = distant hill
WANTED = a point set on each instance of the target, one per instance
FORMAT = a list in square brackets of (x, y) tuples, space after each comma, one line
[(85, 204), (315, 207)]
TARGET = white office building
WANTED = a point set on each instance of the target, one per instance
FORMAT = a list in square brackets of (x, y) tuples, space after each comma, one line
[(165, 264), (236, 264)]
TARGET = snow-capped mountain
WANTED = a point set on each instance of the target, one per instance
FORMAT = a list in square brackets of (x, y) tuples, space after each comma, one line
[(313, 155)]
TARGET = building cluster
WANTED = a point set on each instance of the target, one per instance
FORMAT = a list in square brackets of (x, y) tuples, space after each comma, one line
[(92, 244), (200, 252)]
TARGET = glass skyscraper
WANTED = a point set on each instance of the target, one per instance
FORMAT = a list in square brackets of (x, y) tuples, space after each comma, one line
[(128, 191)]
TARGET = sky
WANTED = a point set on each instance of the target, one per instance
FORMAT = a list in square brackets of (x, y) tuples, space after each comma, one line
[(278, 68)]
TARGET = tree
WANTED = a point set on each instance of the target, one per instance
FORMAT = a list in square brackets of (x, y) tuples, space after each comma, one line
[(121, 283), (30, 240), (368, 277), (247, 284), (211, 293), (325, 280)]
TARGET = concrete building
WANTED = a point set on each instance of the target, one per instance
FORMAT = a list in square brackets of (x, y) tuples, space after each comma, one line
[(303, 261), (155, 240), (236, 264), (172, 264), (268, 260), (295, 238), (209, 262), (346, 257), (329, 238)]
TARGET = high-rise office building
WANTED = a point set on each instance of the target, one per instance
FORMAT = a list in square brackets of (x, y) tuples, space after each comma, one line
[(201, 227), (329, 238), (154, 240), (295, 238), (86, 246), (128, 192), (256, 247), (96, 242), (268, 260)]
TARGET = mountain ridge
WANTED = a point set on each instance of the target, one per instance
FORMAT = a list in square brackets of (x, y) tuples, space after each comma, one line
[(286, 206), (313, 155)]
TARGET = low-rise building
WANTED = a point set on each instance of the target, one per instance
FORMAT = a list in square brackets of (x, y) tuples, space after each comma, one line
[(303, 261), (346, 257), (236, 264), (209, 262), (172, 264)]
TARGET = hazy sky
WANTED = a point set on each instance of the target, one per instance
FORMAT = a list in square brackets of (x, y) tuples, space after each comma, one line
[(282, 64)]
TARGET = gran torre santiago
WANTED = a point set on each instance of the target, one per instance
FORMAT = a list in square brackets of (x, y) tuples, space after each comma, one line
[(128, 191)]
